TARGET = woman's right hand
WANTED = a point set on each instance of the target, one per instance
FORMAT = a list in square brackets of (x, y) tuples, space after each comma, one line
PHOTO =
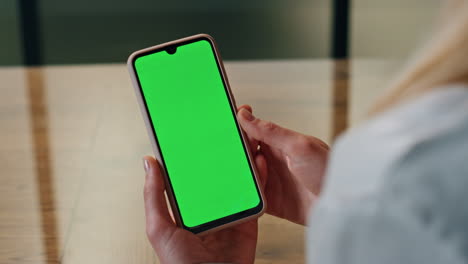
[(294, 167)]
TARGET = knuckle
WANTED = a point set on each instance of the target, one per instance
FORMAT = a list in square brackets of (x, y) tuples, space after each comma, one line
[(269, 126), (151, 232), (303, 145), (147, 191)]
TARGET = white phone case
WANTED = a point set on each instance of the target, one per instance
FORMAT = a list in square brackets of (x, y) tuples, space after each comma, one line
[(146, 118)]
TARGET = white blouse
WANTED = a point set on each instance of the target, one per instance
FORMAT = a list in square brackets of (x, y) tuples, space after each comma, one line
[(396, 189)]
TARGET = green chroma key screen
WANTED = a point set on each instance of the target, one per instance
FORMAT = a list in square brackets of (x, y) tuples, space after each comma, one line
[(197, 134)]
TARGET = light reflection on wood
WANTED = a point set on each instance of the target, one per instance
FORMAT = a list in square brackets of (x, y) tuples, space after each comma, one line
[(40, 147)]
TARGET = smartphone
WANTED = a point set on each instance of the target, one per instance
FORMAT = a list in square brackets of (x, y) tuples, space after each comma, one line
[(190, 115)]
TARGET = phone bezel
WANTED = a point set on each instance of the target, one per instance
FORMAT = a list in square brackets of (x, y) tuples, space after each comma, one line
[(221, 222)]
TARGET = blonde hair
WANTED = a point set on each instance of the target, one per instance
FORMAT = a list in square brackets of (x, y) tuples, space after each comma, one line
[(443, 60)]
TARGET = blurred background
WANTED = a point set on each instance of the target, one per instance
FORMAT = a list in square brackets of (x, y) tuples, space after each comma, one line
[(106, 31), (72, 137)]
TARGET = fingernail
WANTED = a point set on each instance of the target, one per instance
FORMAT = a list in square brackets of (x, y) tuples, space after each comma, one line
[(145, 165), (247, 115)]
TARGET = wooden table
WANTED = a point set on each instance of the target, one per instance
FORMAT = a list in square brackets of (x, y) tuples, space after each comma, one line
[(71, 142)]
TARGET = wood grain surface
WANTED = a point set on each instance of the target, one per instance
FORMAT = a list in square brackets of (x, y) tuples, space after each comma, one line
[(71, 142)]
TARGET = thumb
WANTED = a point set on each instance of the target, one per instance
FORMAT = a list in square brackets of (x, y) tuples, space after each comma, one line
[(158, 220), (267, 132)]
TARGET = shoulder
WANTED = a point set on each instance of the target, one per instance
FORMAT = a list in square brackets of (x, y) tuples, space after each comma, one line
[(362, 158), (394, 187)]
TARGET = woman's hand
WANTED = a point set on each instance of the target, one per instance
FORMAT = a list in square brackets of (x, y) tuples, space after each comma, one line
[(175, 245), (295, 164)]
